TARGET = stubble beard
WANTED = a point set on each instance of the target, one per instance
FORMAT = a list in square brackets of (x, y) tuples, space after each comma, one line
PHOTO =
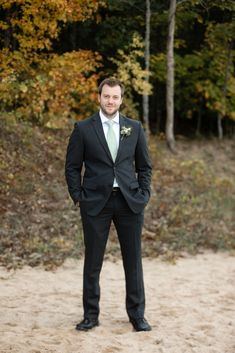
[(108, 115)]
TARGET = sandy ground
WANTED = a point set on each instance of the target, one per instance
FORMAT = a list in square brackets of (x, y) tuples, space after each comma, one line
[(190, 305)]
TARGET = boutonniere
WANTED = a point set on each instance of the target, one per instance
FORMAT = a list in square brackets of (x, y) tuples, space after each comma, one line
[(125, 131)]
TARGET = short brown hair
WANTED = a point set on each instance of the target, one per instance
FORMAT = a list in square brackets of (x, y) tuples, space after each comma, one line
[(111, 82)]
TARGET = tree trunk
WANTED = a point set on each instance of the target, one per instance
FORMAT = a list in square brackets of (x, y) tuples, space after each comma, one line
[(159, 118), (73, 36), (147, 59), (7, 33), (170, 138), (199, 121), (219, 126), (224, 93)]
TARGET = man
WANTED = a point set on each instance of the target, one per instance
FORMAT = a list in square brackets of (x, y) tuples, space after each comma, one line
[(115, 187)]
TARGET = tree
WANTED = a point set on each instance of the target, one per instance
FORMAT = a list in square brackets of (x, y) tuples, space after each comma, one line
[(200, 57), (170, 78), (217, 86), (35, 83), (222, 113), (147, 60), (129, 70)]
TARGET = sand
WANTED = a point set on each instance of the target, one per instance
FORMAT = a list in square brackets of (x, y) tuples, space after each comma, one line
[(190, 305)]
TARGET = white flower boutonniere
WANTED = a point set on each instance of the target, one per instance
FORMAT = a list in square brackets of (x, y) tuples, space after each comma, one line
[(125, 131)]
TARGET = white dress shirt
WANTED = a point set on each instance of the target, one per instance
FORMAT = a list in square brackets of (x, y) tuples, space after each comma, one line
[(116, 129)]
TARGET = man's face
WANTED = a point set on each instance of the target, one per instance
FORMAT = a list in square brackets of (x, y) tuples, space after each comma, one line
[(110, 100)]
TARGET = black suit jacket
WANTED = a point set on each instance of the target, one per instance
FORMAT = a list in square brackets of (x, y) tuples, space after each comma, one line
[(90, 170)]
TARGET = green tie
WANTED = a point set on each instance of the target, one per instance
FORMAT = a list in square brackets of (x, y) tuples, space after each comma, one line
[(111, 139)]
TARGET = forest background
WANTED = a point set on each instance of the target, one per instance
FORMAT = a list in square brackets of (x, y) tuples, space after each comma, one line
[(53, 54)]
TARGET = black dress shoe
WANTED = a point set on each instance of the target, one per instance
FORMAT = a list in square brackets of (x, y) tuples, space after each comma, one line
[(87, 324), (140, 324)]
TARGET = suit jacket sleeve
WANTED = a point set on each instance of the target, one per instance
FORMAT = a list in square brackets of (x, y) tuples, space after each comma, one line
[(73, 163), (142, 162)]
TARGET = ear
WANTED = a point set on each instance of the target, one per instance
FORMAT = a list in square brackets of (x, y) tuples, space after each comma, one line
[(98, 98)]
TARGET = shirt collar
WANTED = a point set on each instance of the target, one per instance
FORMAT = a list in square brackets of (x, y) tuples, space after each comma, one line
[(104, 118)]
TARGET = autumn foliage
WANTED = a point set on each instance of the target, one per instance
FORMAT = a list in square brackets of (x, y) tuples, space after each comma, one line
[(37, 84)]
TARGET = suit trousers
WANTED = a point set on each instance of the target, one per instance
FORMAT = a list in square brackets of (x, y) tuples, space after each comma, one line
[(96, 230)]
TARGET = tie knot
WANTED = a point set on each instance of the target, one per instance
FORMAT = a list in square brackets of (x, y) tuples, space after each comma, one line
[(110, 123)]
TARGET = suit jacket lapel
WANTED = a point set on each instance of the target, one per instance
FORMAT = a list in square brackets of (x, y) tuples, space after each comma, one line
[(97, 125), (121, 141)]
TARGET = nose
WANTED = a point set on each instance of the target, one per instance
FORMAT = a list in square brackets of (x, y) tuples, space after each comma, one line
[(110, 100)]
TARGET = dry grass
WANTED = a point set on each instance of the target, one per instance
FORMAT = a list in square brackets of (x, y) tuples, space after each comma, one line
[(192, 205)]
